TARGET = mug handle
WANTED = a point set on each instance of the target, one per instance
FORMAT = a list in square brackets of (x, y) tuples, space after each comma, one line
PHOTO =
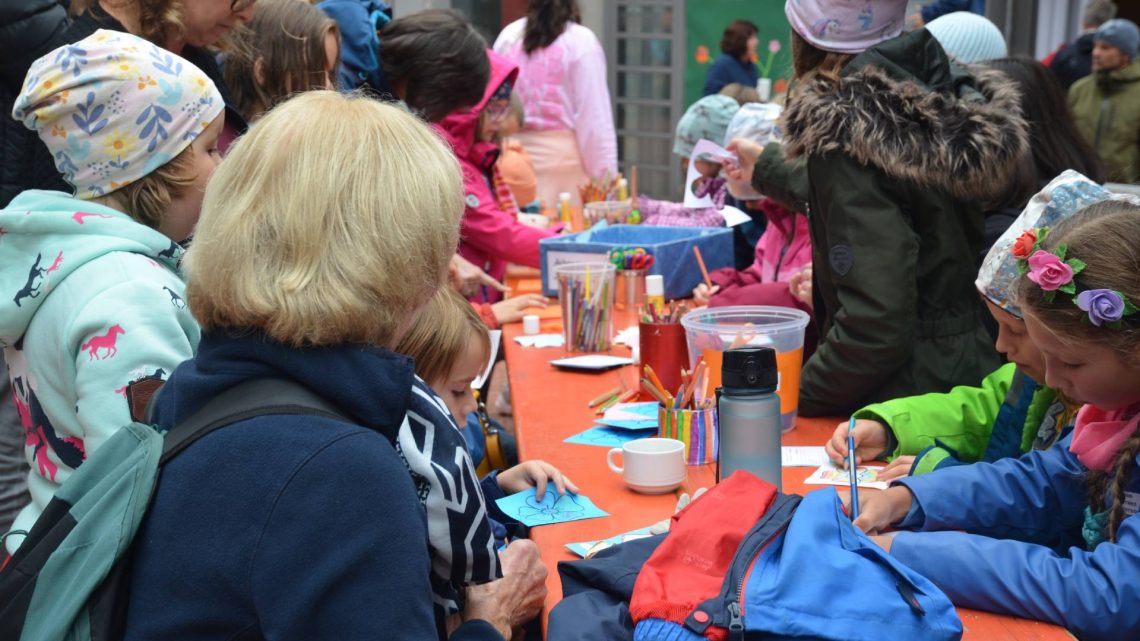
[(610, 460)]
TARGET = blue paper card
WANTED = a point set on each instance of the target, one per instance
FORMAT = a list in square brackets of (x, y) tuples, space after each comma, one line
[(628, 425), (583, 548), (648, 409), (608, 436), (553, 508)]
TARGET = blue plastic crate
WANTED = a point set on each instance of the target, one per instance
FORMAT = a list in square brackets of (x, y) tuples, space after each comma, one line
[(671, 247)]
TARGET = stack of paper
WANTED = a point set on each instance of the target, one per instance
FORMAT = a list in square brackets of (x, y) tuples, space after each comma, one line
[(541, 340)]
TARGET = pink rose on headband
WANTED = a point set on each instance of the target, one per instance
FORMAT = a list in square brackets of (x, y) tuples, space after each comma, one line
[(1103, 305), (1049, 271)]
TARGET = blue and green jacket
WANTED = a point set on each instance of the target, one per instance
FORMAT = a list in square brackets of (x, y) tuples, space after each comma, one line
[(1007, 415)]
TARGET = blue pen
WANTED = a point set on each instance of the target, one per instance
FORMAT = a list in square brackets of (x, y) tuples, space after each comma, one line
[(851, 471)]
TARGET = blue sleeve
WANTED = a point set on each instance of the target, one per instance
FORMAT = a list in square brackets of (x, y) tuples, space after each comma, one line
[(1039, 497), (940, 8), (1093, 594), (718, 77), (344, 552)]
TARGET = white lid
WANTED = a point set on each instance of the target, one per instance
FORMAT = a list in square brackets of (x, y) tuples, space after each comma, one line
[(564, 196), (655, 285)]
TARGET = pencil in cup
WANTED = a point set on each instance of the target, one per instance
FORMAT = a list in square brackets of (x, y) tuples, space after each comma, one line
[(586, 294), (697, 429)]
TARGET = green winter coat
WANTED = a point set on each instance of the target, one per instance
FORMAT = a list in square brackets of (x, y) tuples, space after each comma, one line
[(900, 151), (1106, 108), (1008, 415)]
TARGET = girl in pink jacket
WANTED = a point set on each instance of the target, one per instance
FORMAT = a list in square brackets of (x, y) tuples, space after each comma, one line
[(490, 234)]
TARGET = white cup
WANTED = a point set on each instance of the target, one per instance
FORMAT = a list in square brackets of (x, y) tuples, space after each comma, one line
[(764, 88), (651, 465), (530, 324)]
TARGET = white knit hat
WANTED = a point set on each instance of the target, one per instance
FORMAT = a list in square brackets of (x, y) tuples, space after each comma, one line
[(968, 37)]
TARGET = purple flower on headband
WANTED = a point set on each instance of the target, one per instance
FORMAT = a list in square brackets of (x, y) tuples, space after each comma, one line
[(1103, 305), (1049, 271)]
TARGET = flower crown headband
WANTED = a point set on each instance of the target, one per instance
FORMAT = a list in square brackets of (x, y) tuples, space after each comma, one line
[(1054, 273)]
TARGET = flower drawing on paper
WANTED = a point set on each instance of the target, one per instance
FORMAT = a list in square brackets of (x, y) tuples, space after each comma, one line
[(552, 508)]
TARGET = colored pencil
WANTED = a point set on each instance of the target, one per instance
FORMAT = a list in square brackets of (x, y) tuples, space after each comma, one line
[(701, 264), (601, 398)]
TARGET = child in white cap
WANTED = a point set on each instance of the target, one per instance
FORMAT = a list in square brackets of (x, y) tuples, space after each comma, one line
[(92, 316)]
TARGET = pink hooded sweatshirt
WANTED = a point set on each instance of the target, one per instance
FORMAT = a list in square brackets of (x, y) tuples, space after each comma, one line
[(783, 249), (489, 236)]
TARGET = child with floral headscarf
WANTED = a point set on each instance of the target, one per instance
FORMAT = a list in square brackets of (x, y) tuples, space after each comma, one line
[(93, 318)]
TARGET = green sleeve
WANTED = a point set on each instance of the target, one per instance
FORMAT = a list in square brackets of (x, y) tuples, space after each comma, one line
[(873, 285), (784, 181), (960, 420)]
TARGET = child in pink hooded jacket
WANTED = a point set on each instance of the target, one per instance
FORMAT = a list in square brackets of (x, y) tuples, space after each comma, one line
[(490, 234)]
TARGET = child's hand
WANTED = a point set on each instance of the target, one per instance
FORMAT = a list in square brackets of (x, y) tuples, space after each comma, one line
[(870, 442), (897, 468), (747, 152), (536, 474), (511, 310), (702, 294), (880, 510), (800, 285)]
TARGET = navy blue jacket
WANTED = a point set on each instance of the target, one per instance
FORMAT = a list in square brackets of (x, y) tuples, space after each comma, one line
[(726, 70), (939, 8), (287, 527)]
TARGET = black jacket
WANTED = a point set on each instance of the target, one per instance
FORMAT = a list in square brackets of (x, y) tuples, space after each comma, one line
[(28, 30), (1073, 61)]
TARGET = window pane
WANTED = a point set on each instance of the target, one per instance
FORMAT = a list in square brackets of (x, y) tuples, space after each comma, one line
[(640, 85), (647, 19), (643, 118), (645, 53)]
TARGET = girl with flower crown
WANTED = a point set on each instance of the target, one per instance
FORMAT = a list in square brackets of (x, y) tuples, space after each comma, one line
[(1050, 535)]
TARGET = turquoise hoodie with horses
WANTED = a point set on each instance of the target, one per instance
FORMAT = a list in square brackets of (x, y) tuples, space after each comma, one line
[(90, 301)]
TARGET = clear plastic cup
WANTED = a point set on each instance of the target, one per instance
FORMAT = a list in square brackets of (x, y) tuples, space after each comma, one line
[(613, 212), (711, 331), (586, 294)]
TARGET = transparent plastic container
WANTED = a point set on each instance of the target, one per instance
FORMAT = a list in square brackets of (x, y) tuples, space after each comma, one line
[(614, 212), (586, 294), (711, 331)]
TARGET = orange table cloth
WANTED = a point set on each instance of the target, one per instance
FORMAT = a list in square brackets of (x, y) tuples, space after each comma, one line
[(550, 405)]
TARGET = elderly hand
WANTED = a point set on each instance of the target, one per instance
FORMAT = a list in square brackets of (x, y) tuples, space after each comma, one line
[(466, 278), (517, 597)]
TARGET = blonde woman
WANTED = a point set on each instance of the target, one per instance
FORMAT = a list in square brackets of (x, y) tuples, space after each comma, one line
[(295, 527)]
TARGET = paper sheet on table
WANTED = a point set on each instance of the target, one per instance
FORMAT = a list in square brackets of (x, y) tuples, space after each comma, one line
[(553, 508), (602, 436), (796, 456), (496, 336), (632, 411), (541, 340), (712, 152), (582, 548), (591, 362), (829, 474)]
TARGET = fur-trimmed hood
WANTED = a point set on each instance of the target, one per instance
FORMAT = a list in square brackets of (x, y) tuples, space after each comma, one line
[(901, 108)]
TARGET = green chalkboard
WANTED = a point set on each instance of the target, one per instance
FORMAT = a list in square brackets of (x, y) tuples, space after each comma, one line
[(704, 25)]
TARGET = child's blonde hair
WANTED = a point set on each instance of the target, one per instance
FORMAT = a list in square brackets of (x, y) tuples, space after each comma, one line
[(443, 330), (1104, 236), (331, 221), (288, 38), (148, 199)]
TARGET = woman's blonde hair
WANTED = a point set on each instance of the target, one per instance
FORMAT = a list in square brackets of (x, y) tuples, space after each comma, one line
[(443, 330), (288, 37), (331, 221)]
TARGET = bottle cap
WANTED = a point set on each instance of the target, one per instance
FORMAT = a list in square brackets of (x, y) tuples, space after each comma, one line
[(564, 196), (655, 285), (750, 368)]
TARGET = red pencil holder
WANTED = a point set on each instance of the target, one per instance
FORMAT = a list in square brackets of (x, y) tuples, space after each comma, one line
[(664, 348)]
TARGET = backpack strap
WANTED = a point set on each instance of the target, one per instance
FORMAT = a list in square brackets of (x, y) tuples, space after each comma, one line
[(258, 397)]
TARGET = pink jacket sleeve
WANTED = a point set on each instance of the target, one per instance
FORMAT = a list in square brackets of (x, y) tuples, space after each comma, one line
[(496, 232), (593, 112)]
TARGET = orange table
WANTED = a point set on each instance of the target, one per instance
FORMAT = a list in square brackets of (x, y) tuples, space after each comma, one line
[(550, 405)]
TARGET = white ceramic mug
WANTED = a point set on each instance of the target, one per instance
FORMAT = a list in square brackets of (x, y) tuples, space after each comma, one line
[(651, 465)]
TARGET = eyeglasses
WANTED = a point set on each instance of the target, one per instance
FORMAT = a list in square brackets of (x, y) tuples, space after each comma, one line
[(241, 5)]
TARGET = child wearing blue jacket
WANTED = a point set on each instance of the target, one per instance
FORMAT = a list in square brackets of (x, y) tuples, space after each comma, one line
[(1050, 535)]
